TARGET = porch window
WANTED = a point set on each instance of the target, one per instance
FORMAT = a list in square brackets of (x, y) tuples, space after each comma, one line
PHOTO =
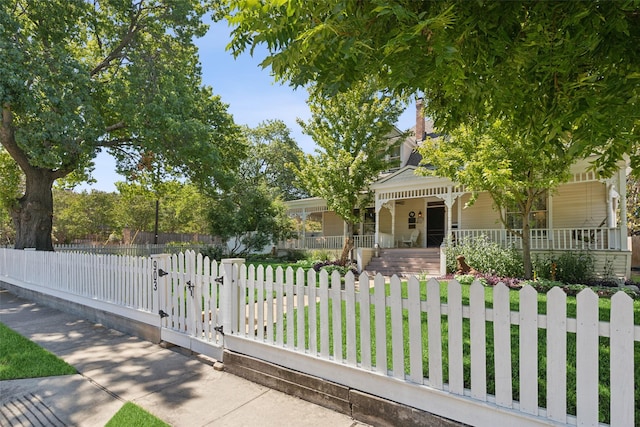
[(368, 225), (537, 216)]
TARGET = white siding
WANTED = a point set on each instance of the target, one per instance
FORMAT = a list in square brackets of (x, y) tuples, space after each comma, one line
[(579, 205), (479, 215), (333, 225)]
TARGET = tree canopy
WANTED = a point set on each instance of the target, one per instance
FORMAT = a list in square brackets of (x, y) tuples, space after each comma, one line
[(576, 64), (515, 170), (353, 131), (272, 154), (80, 76), (250, 214)]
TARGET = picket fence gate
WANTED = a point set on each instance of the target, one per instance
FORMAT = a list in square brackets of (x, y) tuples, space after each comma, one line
[(394, 340)]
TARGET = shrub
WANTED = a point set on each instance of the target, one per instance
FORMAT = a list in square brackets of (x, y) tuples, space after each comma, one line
[(569, 267), (294, 255), (321, 255), (485, 256), (331, 266), (488, 280), (216, 252)]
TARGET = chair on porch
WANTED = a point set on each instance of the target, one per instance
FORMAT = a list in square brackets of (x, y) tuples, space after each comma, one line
[(412, 239)]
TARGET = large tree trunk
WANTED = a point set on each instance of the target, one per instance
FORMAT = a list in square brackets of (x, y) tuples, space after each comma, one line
[(33, 216)]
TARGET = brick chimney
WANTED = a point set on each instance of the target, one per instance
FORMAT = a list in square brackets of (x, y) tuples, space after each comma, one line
[(420, 131)]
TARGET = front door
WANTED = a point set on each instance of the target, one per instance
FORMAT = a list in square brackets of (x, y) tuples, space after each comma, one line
[(435, 224)]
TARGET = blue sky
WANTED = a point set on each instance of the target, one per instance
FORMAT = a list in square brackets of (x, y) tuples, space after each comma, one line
[(250, 92)]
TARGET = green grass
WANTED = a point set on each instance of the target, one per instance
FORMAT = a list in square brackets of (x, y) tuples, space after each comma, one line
[(604, 365), (21, 358), (131, 415)]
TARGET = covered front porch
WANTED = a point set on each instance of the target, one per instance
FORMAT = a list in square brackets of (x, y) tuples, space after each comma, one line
[(413, 211)]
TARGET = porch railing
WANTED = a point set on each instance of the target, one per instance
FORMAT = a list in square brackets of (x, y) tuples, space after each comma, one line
[(328, 242), (596, 238)]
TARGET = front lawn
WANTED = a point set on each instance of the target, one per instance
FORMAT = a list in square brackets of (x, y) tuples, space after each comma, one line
[(21, 358), (603, 367)]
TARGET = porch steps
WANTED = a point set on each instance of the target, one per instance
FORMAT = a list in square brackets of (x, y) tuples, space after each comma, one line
[(405, 262)]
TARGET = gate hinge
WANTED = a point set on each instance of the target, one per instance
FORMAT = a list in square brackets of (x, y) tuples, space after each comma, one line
[(220, 279), (219, 329), (163, 314), (161, 272)]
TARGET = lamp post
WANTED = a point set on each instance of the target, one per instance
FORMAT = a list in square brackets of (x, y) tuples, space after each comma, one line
[(155, 229)]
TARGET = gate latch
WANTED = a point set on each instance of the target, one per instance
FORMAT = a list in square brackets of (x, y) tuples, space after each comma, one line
[(219, 329), (161, 272), (190, 286), (163, 314), (219, 279)]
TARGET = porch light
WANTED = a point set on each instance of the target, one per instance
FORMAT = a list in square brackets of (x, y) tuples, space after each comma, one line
[(419, 214)]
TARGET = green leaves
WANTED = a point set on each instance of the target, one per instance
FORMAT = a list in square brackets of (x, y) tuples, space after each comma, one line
[(82, 76), (515, 168), (353, 131), (570, 65)]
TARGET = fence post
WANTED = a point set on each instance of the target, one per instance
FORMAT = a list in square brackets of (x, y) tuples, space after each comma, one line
[(230, 304), (159, 262)]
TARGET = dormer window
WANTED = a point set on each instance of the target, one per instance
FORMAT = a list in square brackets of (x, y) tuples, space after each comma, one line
[(394, 157)]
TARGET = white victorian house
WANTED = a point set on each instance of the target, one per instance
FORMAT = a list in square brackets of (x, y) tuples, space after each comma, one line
[(413, 210)]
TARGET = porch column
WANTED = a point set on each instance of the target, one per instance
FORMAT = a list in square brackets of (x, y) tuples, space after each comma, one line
[(393, 223), (550, 234), (622, 190), (376, 238), (448, 202), (304, 229)]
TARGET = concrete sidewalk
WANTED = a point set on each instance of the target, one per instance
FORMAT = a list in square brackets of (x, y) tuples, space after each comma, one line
[(114, 368)]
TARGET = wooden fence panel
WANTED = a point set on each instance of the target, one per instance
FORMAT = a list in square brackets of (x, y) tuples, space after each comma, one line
[(364, 298), (300, 310), (350, 296), (529, 350), (397, 329), (381, 324), (622, 355), (260, 324), (269, 303), (434, 327), (312, 313), (454, 320), (279, 291), (416, 373), (291, 314), (252, 321), (324, 326), (502, 345), (336, 316), (478, 342), (557, 355), (587, 366)]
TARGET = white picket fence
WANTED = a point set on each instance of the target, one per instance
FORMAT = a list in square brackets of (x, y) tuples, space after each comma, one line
[(118, 284), (448, 357)]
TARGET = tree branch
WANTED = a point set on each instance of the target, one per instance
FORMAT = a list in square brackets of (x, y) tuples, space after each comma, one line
[(117, 51), (117, 142), (115, 126), (8, 140)]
